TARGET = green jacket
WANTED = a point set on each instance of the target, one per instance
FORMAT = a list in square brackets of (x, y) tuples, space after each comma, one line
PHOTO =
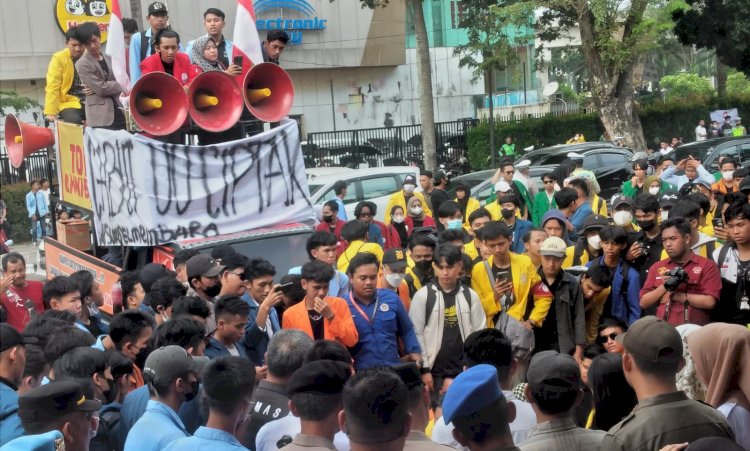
[(509, 150), (542, 205)]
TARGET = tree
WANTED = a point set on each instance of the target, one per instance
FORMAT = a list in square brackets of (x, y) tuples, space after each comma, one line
[(738, 85), (11, 102), (687, 86)]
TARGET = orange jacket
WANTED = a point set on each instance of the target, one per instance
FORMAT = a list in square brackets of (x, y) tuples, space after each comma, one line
[(341, 328)]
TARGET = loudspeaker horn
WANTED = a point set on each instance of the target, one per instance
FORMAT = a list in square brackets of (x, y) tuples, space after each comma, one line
[(23, 139), (158, 103), (215, 101), (268, 91)]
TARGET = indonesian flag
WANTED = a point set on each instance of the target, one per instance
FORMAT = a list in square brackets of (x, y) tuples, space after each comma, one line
[(116, 48), (246, 40)]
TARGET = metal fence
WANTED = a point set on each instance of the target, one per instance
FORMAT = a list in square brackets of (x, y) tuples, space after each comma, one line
[(34, 167), (387, 146)]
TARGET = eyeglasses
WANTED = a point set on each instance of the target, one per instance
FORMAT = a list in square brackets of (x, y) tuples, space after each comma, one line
[(606, 338), (365, 215), (510, 172), (241, 275)]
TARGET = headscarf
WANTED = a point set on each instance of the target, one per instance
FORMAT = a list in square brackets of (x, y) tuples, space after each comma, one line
[(721, 353), (687, 380), (410, 203), (199, 46), (649, 180)]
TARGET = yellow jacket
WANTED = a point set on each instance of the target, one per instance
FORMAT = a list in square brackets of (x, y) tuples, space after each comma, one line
[(570, 253), (472, 206), (399, 199), (524, 277), (59, 80), (471, 250), (355, 247), (595, 202), (496, 211)]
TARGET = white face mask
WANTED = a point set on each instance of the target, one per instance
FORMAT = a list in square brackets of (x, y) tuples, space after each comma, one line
[(408, 189), (398, 219), (727, 175), (595, 242), (394, 279), (622, 218), (654, 190), (416, 210), (664, 215)]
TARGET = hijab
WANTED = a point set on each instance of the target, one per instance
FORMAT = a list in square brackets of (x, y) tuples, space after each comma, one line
[(199, 46), (721, 354), (410, 203), (649, 180), (687, 380)]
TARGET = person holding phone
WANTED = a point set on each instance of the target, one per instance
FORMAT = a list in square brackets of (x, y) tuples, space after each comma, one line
[(263, 320)]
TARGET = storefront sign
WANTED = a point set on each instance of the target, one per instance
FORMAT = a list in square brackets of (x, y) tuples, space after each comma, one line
[(71, 13), (272, 15)]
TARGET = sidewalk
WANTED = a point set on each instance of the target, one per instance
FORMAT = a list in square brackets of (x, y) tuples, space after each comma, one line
[(30, 254)]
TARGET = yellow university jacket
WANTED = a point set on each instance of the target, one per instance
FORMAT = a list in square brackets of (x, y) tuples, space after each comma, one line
[(355, 247), (59, 80), (524, 277), (399, 199), (471, 206)]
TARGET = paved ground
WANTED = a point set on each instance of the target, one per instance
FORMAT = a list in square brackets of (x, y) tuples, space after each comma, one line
[(29, 252)]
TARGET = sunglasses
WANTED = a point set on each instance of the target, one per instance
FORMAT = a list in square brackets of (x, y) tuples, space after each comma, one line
[(241, 275), (605, 338)]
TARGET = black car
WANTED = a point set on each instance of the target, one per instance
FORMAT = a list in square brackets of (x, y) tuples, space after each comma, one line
[(709, 151)]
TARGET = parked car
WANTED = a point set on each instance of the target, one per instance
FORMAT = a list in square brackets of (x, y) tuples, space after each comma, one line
[(556, 154), (315, 173), (373, 184), (709, 151)]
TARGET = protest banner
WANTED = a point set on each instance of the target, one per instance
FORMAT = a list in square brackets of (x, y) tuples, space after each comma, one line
[(145, 192), (74, 188)]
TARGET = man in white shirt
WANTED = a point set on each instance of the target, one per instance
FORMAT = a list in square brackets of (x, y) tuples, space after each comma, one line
[(700, 131)]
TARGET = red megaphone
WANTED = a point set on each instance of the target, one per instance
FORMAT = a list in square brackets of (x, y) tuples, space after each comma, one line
[(268, 91), (215, 101), (158, 103), (23, 139)]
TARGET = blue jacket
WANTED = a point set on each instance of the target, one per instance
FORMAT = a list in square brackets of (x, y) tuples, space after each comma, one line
[(375, 235), (624, 300), (378, 342), (338, 286), (519, 231), (135, 403), (578, 218), (134, 50), (109, 436), (10, 423), (158, 427), (255, 339), (207, 439), (36, 201), (215, 349), (671, 176)]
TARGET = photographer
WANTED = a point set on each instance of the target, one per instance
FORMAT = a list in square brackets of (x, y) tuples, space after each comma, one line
[(685, 285), (734, 265)]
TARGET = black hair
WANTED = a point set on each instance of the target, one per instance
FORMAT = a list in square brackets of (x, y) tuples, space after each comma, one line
[(314, 406), (494, 230), (646, 202), (361, 259), (181, 331), (128, 281), (296, 293), (182, 256), (354, 230), (489, 346), (613, 233), (581, 184), (220, 251), (374, 404), (228, 382), (57, 288), (592, 350), (257, 268), (701, 199), (127, 326), (80, 362), (479, 213), (119, 364), (319, 239), (448, 252), (61, 342), (70, 34), (230, 306), (215, 12), (600, 275), (365, 204), (317, 271), (426, 172), (548, 175), (729, 160), (233, 261), (505, 162), (450, 235), (686, 209), (86, 31), (277, 35), (191, 306), (84, 279), (165, 291), (328, 350), (565, 197), (396, 207), (640, 164), (526, 238), (35, 361), (421, 239), (333, 205), (63, 315), (681, 224), (506, 198), (739, 173), (12, 257), (737, 210), (448, 209), (129, 25), (608, 322), (46, 324), (614, 399), (166, 33), (461, 186)]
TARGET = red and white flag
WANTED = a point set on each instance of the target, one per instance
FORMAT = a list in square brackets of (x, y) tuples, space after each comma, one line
[(116, 48), (246, 40)]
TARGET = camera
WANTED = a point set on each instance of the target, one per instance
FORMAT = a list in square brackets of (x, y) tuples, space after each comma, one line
[(675, 277), (645, 248)]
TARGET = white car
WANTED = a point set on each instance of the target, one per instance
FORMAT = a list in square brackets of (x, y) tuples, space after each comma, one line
[(373, 184)]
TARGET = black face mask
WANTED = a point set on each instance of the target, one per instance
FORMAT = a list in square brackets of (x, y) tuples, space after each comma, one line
[(328, 219), (507, 213), (423, 265), (647, 225), (213, 291)]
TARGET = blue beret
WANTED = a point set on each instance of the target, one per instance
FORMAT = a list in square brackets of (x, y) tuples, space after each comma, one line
[(38, 442), (471, 391)]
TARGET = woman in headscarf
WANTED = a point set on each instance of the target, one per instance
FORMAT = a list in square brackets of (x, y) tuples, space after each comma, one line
[(721, 354), (415, 215)]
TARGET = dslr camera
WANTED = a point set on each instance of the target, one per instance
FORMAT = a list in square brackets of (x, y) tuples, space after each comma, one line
[(675, 277), (645, 249)]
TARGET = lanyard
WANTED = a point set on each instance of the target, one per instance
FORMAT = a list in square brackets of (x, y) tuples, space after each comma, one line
[(370, 319)]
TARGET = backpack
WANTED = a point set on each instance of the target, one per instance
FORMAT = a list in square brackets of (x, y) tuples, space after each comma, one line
[(432, 299)]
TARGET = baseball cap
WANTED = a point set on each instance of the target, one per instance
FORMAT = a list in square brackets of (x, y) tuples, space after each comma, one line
[(52, 401), (593, 223), (554, 371), (471, 391), (523, 164), (553, 247), (168, 363), (395, 259), (322, 377), (702, 183), (202, 265), (222, 250), (669, 199), (745, 185), (502, 186), (653, 340), (150, 274), (10, 337), (438, 176), (738, 119), (410, 180), (619, 200), (157, 8)]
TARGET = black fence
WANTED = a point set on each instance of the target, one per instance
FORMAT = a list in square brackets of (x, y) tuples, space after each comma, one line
[(387, 146), (34, 167)]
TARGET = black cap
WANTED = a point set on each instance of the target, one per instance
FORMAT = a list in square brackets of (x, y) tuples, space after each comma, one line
[(157, 8), (150, 274), (410, 180), (439, 175), (669, 199), (10, 337), (52, 401), (745, 185), (554, 371), (221, 251), (395, 259), (323, 377), (594, 223), (202, 265), (409, 374)]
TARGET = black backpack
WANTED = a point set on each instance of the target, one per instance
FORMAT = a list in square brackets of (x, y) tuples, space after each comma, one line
[(432, 299)]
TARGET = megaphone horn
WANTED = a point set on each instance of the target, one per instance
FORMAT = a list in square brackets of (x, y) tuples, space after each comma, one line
[(158, 104), (215, 101), (268, 92), (23, 139)]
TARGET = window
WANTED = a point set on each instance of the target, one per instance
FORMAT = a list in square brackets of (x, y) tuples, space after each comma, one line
[(590, 161), (612, 159), (350, 198), (744, 151), (378, 187)]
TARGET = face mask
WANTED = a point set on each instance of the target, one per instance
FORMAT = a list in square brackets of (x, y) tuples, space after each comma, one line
[(398, 219), (507, 213), (455, 224), (416, 210), (328, 219), (408, 189), (664, 215), (654, 190), (622, 218), (423, 265), (594, 241), (647, 225), (727, 175), (213, 291), (394, 279)]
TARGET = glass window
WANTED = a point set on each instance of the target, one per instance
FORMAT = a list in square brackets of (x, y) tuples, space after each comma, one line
[(744, 151), (612, 159), (350, 198), (590, 161), (378, 187)]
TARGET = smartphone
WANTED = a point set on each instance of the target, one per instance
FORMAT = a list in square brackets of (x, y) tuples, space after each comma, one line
[(286, 287), (717, 222), (503, 275), (237, 61)]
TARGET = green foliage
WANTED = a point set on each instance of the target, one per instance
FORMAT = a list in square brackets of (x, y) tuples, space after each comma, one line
[(11, 102), (686, 86), (738, 85), (15, 199), (570, 95)]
